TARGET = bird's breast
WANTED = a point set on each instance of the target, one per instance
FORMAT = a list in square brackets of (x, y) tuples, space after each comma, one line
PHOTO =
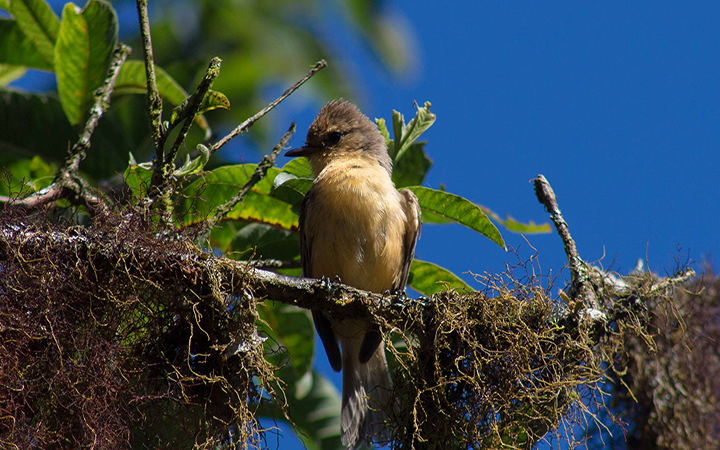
[(355, 224)]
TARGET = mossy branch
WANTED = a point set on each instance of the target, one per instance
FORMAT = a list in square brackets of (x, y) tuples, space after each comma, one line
[(476, 368), (68, 183)]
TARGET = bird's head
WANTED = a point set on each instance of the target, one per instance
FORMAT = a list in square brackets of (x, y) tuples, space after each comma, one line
[(341, 131)]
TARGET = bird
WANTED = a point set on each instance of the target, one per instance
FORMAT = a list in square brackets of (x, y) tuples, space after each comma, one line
[(356, 226)]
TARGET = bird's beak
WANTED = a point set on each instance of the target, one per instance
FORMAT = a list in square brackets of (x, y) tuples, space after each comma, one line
[(300, 151)]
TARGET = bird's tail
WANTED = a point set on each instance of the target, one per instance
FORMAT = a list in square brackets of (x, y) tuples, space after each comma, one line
[(367, 389)]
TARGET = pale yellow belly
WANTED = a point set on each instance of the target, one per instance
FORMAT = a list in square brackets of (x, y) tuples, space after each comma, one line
[(357, 230)]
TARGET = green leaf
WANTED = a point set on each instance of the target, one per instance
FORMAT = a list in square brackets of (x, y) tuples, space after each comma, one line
[(5, 4), (196, 165), (33, 124), (137, 176), (9, 73), (202, 197), (27, 175), (291, 189), (316, 414), (300, 167), (39, 23), (16, 49), (398, 121), (418, 125), (458, 209), (211, 100), (412, 169), (428, 278), (132, 80), (518, 227), (261, 241), (291, 333), (84, 47), (382, 126), (435, 219)]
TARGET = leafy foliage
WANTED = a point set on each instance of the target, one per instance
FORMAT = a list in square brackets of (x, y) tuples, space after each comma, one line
[(35, 133)]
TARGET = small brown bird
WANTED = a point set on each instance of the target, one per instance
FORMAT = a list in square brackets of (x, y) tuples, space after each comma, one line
[(356, 226)]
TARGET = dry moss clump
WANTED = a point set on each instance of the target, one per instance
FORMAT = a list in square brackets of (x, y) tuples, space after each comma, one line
[(107, 340), (122, 334), (501, 369), (485, 371), (671, 396)]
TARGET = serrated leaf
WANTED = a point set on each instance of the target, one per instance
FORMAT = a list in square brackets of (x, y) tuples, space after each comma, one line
[(412, 169), (132, 80), (415, 128), (83, 50), (382, 126), (203, 196), (428, 278), (39, 23), (458, 209), (16, 49), (214, 100)]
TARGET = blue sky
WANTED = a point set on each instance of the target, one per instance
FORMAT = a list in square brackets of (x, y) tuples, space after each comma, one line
[(616, 103)]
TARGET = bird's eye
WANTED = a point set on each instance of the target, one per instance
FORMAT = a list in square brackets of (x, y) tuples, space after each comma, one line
[(333, 138)]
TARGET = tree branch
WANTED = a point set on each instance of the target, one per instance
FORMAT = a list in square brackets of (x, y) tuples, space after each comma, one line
[(154, 101), (187, 261), (580, 287), (67, 183)]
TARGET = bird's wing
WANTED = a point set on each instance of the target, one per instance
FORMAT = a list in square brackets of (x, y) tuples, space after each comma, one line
[(322, 324), (412, 232)]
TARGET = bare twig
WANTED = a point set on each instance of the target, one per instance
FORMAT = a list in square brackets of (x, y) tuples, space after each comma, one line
[(260, 171), (67, 183), (249, 122), (154, 100), (580, 286), (102, 101)]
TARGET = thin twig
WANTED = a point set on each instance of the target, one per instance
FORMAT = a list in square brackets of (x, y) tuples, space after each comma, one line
[(67, 183), (154, 103), (260, 171), (249, 122), (580, 286), (102, 101)]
